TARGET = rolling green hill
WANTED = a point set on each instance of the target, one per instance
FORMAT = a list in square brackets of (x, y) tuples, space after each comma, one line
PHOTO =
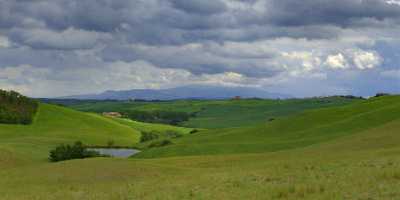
[(219, 113), (140, 126), (349, 151), (310, 127), (54, 125)]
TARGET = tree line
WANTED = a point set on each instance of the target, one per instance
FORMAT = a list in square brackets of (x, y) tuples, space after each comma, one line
[(16, 108), (158, 116)]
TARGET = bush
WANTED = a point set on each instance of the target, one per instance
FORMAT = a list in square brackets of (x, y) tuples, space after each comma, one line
[(147, 136), (173, 134), (69, 152), (110, 143), (194, 131), (271, 119), (160, 143)]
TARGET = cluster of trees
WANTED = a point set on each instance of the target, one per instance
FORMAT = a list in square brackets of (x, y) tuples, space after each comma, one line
[(147, 136), (69, 152), (158, 116), (160, 143), (351, 97), (16, 108), (382, 94), (154, 135)]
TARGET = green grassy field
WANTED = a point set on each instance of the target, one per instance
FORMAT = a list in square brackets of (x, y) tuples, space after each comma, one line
[(140, 126), (221, 113), (294, 131), (349, 151), (54, 125)]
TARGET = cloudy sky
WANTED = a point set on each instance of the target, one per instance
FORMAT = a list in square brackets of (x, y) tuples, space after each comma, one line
[(54, 48)]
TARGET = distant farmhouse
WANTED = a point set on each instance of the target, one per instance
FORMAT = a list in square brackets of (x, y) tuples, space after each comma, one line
[(237, 98), (112, 114)]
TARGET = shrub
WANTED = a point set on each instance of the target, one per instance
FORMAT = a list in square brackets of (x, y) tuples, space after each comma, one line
[(147, 136), (172, 134), (194, 131), (69, 152), (160, 143), (110, 143), (271, 119)]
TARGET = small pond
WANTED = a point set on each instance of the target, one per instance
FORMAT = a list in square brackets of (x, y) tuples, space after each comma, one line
[(119, 153)]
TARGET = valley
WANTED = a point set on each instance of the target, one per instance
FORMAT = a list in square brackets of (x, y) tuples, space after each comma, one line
[(313, 149)]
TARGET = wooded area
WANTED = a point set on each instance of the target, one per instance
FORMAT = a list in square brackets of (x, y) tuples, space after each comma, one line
[(16, 108)]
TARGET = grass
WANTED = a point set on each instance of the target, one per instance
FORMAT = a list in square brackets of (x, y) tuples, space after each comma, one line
[(310, 127), (221, 113), (54, 125), (164, 132), (140, 126), (315, 172), (342, 152)]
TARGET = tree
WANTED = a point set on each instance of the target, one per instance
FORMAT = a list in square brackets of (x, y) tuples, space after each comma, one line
[(16, 108)]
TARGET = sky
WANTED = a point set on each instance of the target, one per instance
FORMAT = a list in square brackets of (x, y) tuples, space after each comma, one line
[(51, 48)]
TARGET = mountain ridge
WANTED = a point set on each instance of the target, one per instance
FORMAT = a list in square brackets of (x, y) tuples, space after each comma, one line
[(185, 92)]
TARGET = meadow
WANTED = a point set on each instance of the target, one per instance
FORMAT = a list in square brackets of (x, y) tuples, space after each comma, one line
[(213, 114), (341, 151)]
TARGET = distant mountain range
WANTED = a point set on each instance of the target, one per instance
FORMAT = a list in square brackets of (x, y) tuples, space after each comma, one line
[(186, 92)]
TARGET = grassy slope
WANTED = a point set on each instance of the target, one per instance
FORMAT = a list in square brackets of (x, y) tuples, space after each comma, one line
[(54, 125), (222, 113), (140, 126), (159, 129), (301, 130), (227, 114), (362, 164)]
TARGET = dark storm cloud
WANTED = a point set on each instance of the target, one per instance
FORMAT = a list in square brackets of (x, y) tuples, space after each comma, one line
[(180, 21), (200, 6), (338, 12), (209, 59)]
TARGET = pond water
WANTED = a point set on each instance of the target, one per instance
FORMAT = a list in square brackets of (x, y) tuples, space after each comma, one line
[(119, 153)]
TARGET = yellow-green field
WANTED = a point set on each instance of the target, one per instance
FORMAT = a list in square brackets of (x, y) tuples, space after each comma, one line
[(344, 152)]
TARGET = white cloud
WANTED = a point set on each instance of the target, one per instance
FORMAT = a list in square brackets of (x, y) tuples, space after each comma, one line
[(354, 59), (225, 79), (23, 78), (337, 61), (141, 74), (307, 59), (4, 42), (26, 72), (366, 60), (68, 39), (42, 82), (393, 2)]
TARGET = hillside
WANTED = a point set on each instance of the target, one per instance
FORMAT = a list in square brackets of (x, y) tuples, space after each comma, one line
[(310, 127), (218, 113), (186, 92), (341, 152), (54, 125), (140, 126)]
